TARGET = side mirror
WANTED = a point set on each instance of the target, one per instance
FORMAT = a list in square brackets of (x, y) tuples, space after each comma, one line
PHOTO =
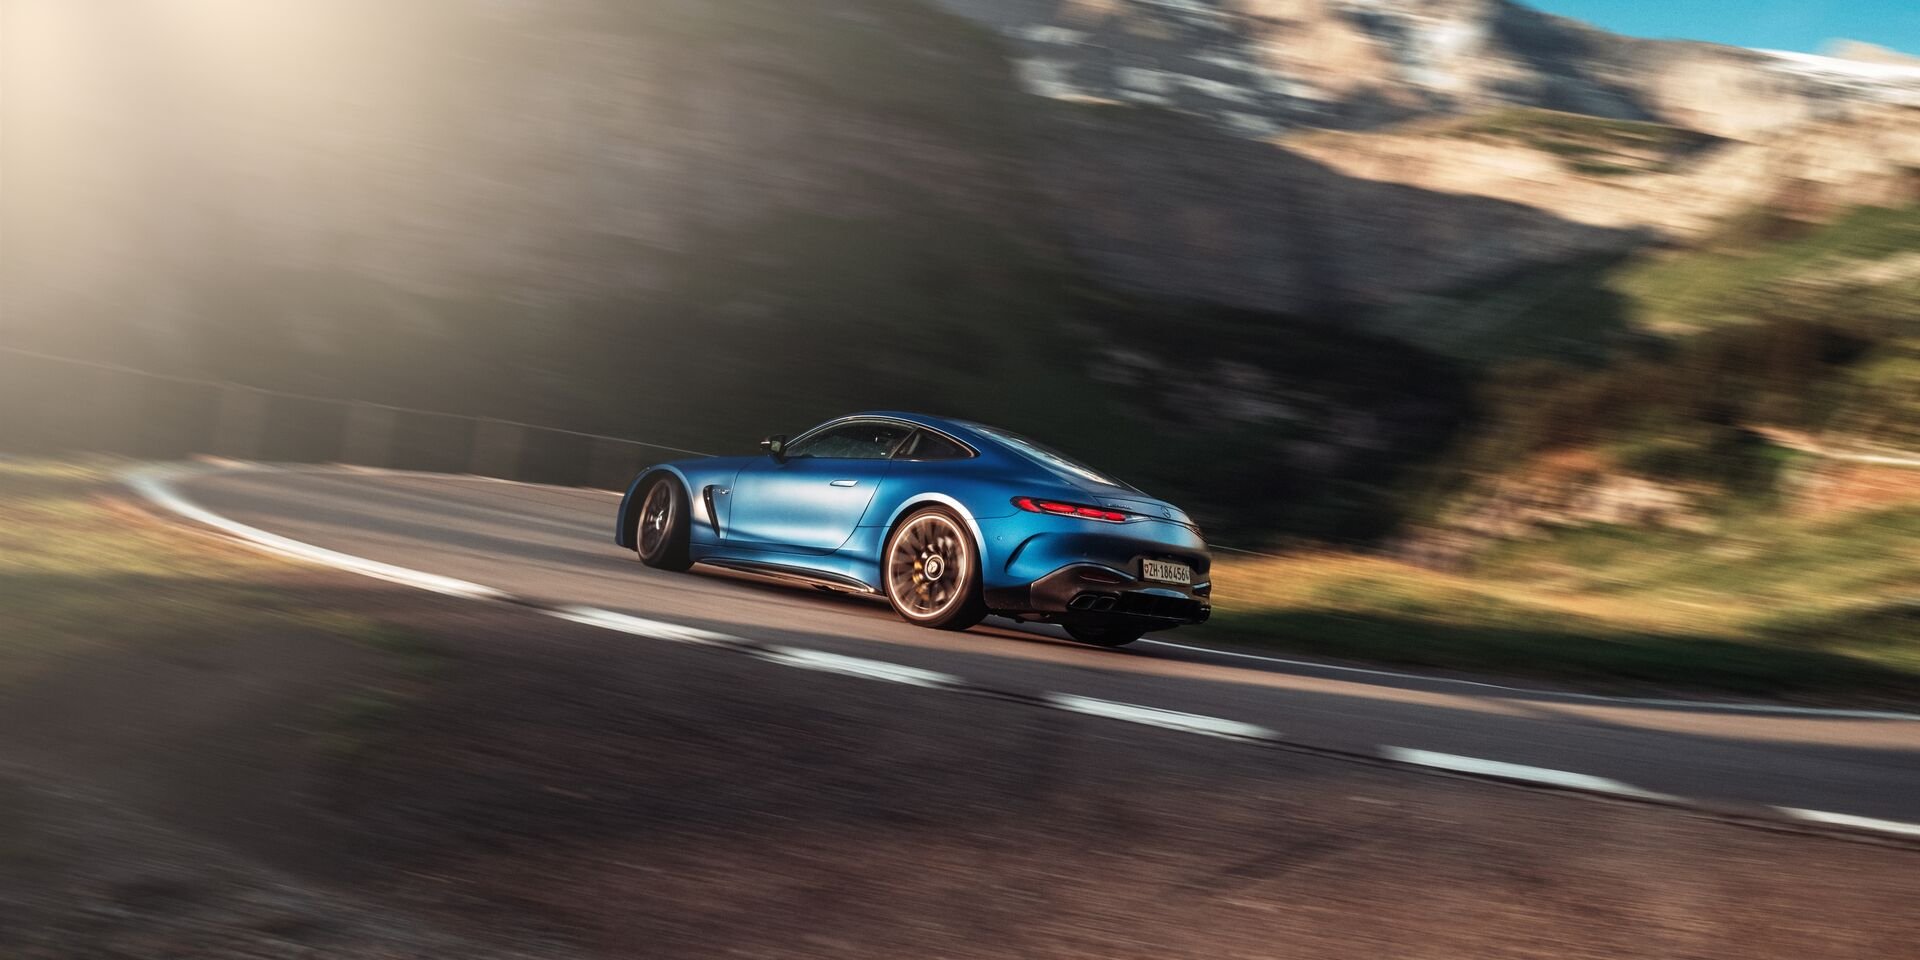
[(776, 447)]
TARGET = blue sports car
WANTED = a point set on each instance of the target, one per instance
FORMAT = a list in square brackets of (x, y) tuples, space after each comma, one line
[(949, 520)]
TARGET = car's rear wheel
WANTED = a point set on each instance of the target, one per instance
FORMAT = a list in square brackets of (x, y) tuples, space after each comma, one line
[(1104, 635), (932, 572), (660, 533)]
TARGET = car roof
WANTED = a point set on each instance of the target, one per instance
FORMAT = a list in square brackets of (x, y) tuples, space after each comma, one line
[(959, 428), (981, 436)]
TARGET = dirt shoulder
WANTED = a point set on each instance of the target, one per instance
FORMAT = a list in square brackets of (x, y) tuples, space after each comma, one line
[(442, 778)]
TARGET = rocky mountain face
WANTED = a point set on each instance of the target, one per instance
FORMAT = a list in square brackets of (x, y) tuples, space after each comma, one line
[(1158, 203), (1264, 67), (556, 151), (1643, 177), (569, 149), (1460, 100)]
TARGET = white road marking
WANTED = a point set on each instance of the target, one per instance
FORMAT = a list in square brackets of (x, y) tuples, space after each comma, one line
[(152, 483), (1840, 713), (1849, 820), (642, 627), (430, 475), (1515, 771), (858, 667), (1154, 716), (1704, 705)]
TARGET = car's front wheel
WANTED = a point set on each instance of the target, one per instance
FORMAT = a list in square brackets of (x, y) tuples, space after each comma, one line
[(932, 572), (660, 532), (1104, 635)]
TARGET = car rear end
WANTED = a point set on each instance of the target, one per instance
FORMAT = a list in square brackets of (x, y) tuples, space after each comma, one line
[(1082, 548), (1092, 559)]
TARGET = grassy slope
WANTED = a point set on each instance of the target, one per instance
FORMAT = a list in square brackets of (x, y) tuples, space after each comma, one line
[(85, 576), (1582, 311), (74, 576), (1596, 146), (1765, 606), (1730, 278), (1766, 603)]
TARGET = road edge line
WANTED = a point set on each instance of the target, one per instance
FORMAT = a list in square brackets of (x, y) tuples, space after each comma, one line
[(152, 482)]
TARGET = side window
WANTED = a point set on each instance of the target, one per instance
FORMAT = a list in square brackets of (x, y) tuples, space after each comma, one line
[(927, 445), (859, 440)]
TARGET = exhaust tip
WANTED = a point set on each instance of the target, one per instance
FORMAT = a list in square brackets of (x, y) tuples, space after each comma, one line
[(1092, 601)]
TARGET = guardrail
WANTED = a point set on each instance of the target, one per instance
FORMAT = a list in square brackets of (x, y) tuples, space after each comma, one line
[(52, 405)]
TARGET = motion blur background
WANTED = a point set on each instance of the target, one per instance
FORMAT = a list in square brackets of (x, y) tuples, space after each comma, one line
[(1454, 282), (1481, 341)]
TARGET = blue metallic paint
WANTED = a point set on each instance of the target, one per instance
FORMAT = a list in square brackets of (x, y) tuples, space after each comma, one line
[(788, 514)]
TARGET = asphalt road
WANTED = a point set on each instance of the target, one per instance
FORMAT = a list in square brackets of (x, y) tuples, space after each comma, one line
[(554, 545)]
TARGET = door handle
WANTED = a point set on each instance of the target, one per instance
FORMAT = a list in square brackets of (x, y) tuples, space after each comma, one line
[(845, 483)]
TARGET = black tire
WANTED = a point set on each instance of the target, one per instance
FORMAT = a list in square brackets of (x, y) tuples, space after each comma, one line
[(931, 571), (1104, 635), (660, 529)]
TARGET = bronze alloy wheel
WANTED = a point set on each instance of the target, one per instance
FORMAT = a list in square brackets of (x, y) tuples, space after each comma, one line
[(931, 572)]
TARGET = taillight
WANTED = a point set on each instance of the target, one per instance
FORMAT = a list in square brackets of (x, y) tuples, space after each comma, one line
[(1064, 509)]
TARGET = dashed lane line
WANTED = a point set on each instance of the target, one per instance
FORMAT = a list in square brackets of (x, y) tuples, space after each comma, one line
[(1521, 773), (1156, 717), (154, 483), (860, 667)]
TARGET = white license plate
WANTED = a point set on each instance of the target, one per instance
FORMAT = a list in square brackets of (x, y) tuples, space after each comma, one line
[(1167, 572)]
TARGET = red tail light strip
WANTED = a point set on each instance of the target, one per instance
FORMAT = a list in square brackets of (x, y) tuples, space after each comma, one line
[(1064, 509)]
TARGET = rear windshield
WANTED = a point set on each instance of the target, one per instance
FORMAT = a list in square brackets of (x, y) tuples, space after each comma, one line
[(1050, 456)]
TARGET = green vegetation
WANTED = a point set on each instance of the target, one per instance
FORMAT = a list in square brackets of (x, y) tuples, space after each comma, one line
[(1757, 262), (1661, 365), (1879, 401), (1540, 126), (1859, 271), (1603, 168), (1763, 606), (84, 574), (1595, 146), (1565, 312), (1668, 360)]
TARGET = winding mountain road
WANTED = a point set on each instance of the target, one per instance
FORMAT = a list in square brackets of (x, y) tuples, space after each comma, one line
[(552, 547)]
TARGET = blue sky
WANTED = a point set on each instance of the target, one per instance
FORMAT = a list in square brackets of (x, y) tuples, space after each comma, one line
[(1803, 25)]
